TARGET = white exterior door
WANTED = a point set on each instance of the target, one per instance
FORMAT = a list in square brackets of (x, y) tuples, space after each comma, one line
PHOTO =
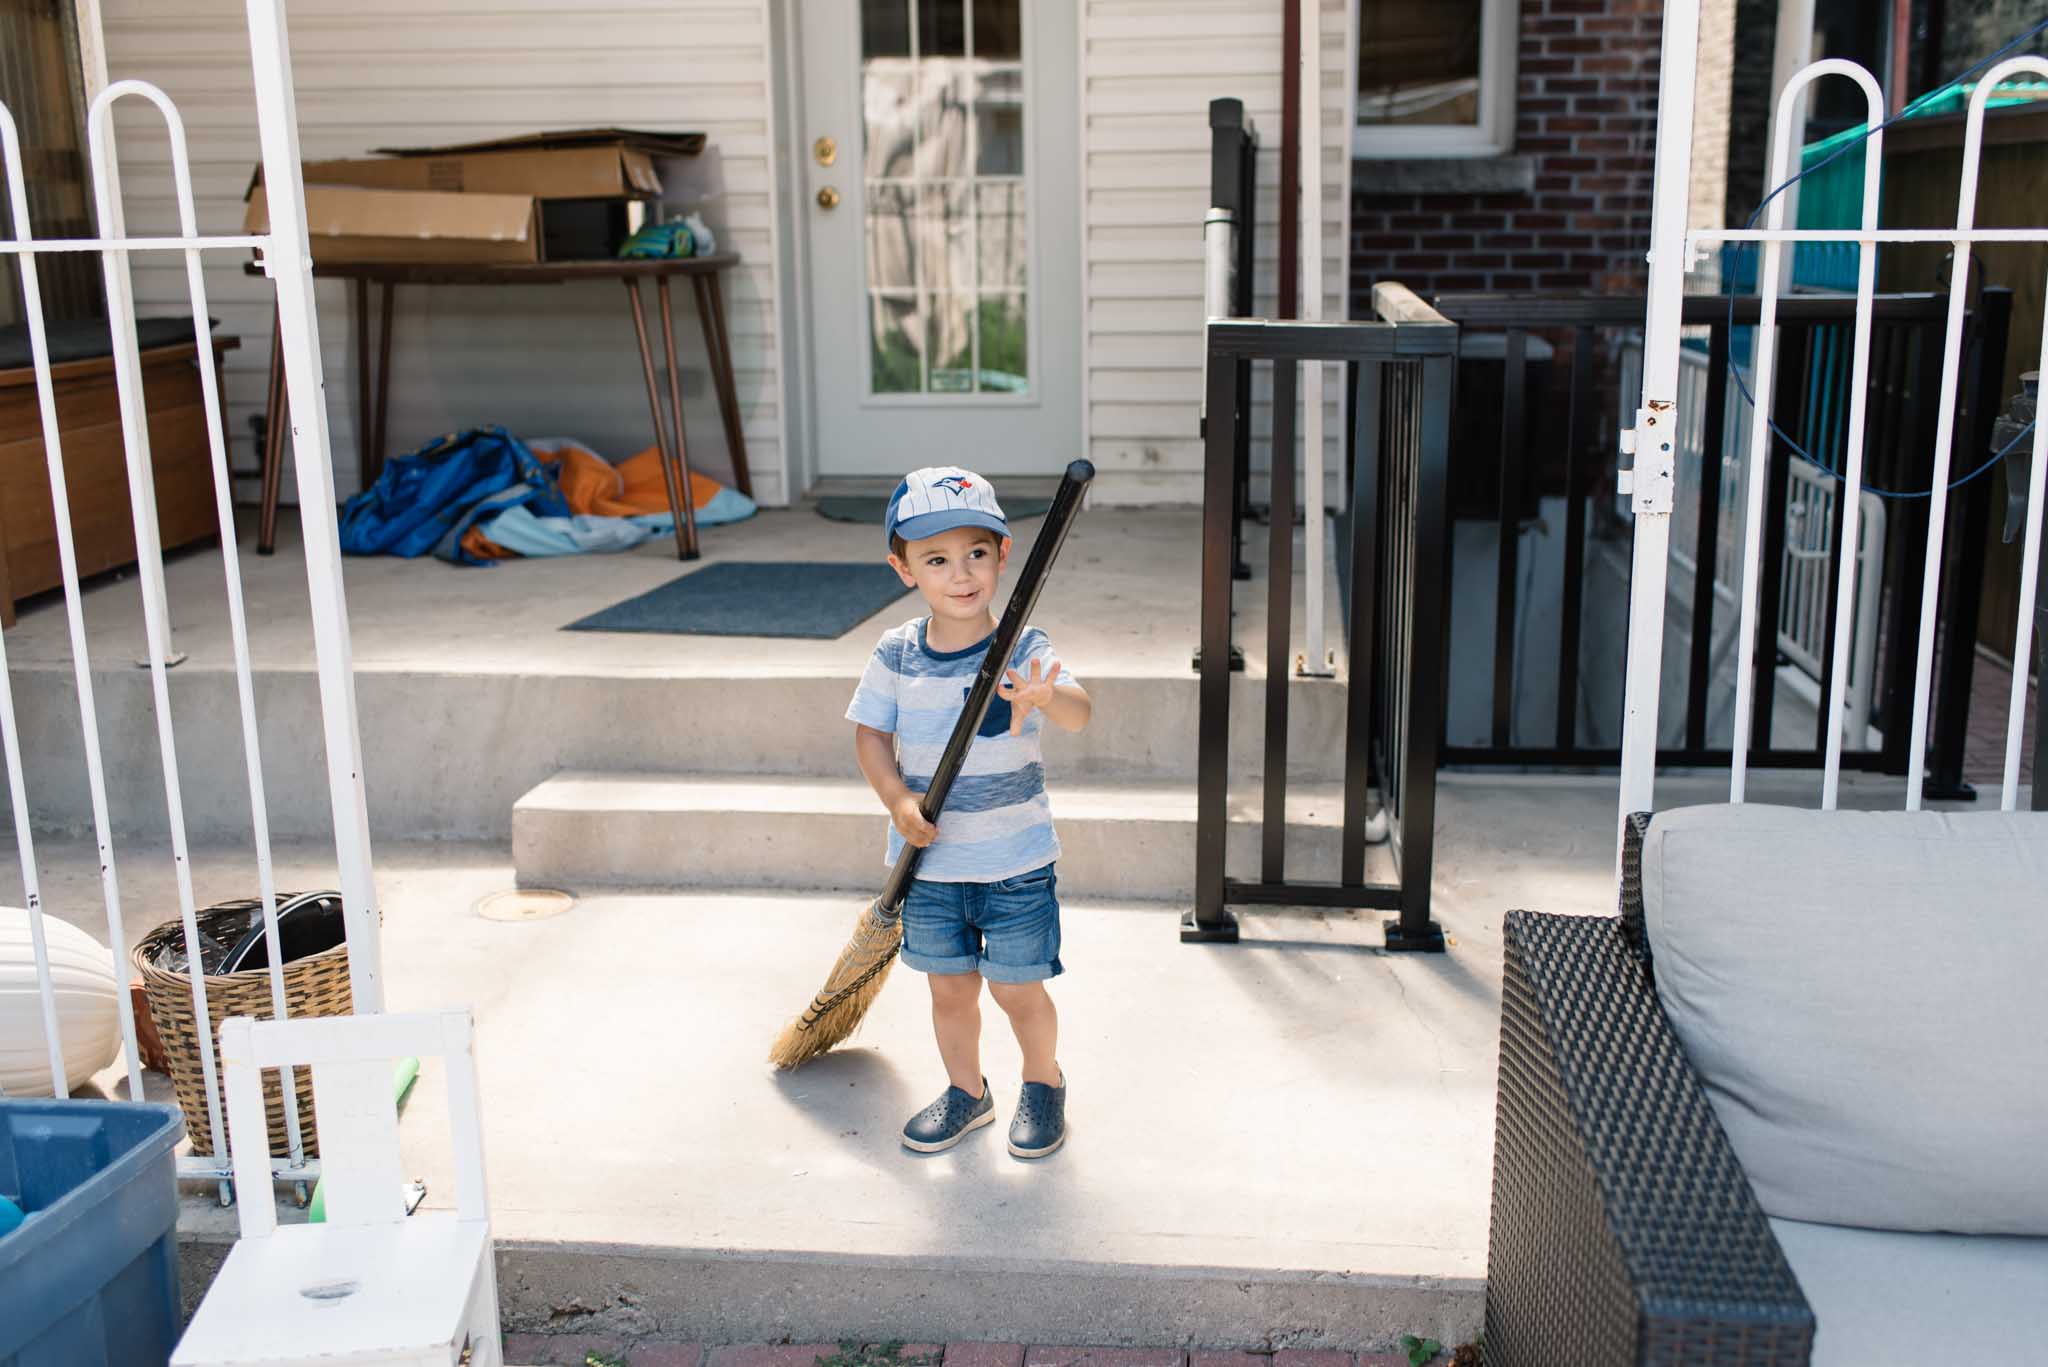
[(944, 224)]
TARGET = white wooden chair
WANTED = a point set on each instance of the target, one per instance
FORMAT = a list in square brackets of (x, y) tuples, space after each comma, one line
[(371, 1285)]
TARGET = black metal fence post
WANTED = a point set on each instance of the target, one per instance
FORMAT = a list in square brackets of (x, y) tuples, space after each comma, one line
[(1396, 582), (1423, 725), (1211, 920), (1233, 185), (1985, 390), (1279, 624), (1908, 552), (1362, 677)]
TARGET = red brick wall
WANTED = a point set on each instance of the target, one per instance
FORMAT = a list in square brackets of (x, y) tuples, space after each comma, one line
[(1585, 111)]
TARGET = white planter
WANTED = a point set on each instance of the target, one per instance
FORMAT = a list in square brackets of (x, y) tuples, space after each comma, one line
[(88, 1017)]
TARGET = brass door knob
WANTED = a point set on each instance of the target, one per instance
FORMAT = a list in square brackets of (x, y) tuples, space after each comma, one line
[(828, 198)]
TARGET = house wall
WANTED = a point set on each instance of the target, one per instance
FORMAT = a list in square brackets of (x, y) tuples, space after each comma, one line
[(1714, 89), (1972, 30), (1585, 149), (1749, 108), (1149, 70), (543, 361)]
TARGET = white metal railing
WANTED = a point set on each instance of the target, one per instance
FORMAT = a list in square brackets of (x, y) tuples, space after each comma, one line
[(1692, 463), (1652, 438), (1810, 500), (1808, 545), (287, 262)]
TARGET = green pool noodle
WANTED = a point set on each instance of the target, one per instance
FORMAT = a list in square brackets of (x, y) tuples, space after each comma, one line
[(402, 1078)]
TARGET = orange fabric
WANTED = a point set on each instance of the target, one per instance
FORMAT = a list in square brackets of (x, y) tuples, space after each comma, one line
[(633, 486), (591, 485), (641, 474)]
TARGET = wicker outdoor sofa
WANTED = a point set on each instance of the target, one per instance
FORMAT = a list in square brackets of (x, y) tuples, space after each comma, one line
[(1781, 1126)]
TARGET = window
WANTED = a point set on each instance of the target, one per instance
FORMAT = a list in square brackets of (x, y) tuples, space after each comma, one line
[(946, 194), (1436, 78)]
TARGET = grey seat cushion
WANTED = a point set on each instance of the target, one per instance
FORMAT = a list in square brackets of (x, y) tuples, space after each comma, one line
[(1866, 997), (1904, 1300)]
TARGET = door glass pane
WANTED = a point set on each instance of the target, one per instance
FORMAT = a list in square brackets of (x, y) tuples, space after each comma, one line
[(896, 326), (889, 114), (942, 131), (952, 340), (999, 121), (946, 202), (942, 28), (892, 236), (1418, 61), (1003, 353), (885, 29), (997, 33), (999, 226), (945, 243)]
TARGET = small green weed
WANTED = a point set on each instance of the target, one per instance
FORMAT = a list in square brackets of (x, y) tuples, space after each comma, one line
[(1420, 1351), (593, 1358), (855, 1354)]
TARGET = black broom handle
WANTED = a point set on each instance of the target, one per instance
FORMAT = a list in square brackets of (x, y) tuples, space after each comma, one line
[(1058, 520)]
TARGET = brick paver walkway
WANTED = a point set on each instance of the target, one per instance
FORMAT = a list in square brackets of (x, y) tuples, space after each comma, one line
[(574, 1350), (1990, 701)]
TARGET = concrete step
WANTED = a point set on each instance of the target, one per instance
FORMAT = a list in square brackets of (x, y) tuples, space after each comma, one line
[(1118, 840), (447, 752)]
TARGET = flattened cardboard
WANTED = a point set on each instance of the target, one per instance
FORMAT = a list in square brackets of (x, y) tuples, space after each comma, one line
[(354, 223), (652, 143)]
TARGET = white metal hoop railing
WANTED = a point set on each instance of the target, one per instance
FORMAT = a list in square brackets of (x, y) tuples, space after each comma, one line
[(1654, 435), (287, 262)]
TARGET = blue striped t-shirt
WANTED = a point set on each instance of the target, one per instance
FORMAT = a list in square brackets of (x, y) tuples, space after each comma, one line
[(997, 822)]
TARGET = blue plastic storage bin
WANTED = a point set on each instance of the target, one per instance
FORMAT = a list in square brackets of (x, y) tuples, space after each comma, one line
[(91, 1278)]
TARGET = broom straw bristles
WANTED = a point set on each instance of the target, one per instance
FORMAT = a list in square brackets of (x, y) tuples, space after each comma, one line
[(838, 1009)]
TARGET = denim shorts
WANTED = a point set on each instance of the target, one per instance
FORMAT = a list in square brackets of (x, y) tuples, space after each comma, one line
[(1008, 930)]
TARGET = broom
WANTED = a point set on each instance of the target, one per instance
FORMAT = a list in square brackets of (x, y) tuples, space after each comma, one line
[(837, 1011)]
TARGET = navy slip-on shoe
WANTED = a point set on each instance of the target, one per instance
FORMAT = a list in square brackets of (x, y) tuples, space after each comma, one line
[(949, 1120), (1040, 1125)]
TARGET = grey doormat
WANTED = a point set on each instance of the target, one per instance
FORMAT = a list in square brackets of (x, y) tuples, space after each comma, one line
[(818, 600), (858, 508)]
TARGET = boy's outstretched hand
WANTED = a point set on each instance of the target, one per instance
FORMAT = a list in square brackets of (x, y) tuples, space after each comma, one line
[(1024, 694)]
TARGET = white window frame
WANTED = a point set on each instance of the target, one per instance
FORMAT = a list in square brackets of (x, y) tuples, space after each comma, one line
[(1492, 136)]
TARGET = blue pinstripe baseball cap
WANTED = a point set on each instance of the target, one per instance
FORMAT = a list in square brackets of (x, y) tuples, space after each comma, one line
[(940, 498)]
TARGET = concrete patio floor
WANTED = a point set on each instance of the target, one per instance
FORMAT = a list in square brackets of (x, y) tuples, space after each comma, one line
[(1122, 573), (1284, 1143)]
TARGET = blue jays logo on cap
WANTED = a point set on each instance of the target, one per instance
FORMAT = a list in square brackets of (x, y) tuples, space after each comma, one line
[(939, 499)]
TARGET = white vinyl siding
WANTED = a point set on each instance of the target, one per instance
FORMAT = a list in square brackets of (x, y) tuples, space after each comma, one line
[(552, 360), (1150, 68)]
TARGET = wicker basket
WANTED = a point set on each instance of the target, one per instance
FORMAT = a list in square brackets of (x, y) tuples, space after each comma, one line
[(317, 985)]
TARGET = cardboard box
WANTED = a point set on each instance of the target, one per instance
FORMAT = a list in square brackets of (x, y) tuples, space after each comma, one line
[(591, 198), (352, 223), (586, 191), (608, 172)]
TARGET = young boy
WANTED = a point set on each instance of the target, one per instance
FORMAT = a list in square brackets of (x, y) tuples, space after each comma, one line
[(982, 906)]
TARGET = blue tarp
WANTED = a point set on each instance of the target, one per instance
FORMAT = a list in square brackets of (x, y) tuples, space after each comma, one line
[(425, 501)]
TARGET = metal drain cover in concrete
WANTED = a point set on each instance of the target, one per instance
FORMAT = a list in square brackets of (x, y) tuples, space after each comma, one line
[(523, 904)]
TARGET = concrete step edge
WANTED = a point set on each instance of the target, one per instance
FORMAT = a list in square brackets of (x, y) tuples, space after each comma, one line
[(729, 1296), (583, 792)]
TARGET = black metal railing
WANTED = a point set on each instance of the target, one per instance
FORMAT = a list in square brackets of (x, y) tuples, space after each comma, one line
[(1233, 191), (1401, 371), (1536, 441)]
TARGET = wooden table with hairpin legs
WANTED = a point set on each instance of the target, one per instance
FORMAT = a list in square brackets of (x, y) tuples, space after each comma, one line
[(373, 387)]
